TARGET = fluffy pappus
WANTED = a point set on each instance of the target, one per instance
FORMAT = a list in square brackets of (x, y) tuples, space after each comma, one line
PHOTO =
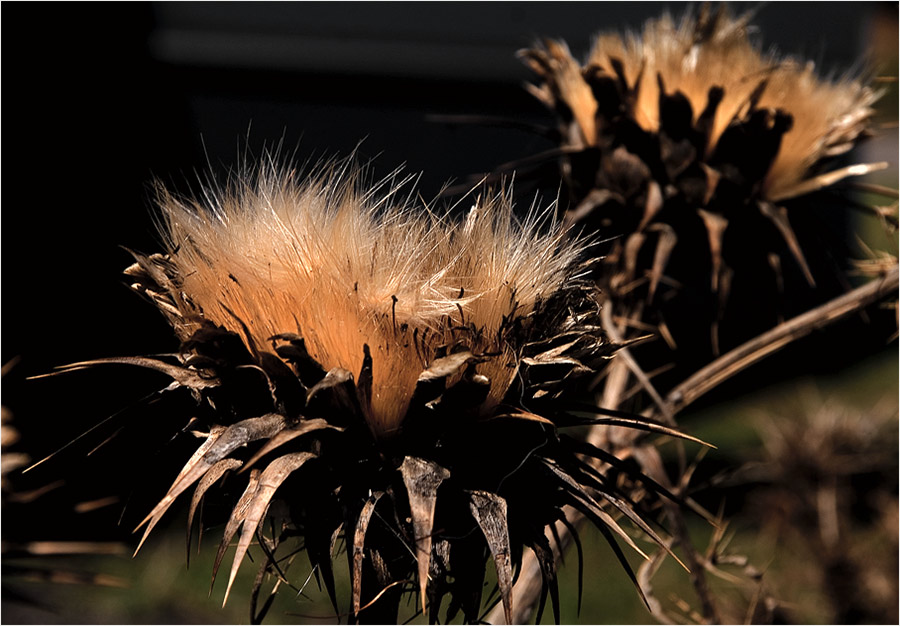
[(347, 268)]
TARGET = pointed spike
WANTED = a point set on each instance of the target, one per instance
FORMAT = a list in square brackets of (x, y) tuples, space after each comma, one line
[(214, 433), (652, 205), (633, 245), (613, 417), (573, 532), (211, 476), (489, 511), (713, 176), (827, 179), (626, 510), (665, 243), (778, 216), (649, 426), (554, 598), (707, 118), (328, 578), (619, 69), (238, 514), (623, 561), (422, 479), (655, 428), (522, 415), (269, 481), (359, 540), (753, 99), (544, 554), (715, 228), (594, 199), (181, 375), (588, 449), (192, 467), (226, 442), (635, 89), (256, 617), (585, 502)]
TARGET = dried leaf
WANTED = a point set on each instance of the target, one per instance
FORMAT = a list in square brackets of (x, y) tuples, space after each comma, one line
[(335, 395)]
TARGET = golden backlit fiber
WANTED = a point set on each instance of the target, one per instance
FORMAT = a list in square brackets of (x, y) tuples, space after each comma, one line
[(346, 268)]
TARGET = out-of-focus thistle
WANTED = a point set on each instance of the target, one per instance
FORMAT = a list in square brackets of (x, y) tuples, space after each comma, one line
[(375, 371), (828, 487), (710, 168), (687, 137)]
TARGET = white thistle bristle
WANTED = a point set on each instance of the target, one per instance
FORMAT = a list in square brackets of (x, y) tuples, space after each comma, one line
[(827, 116), (345, 267)]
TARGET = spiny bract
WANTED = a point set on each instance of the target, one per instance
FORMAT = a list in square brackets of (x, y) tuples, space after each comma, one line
[(402, 374)]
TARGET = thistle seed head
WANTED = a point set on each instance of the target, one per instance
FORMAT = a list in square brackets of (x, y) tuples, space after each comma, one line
[(347, 268)]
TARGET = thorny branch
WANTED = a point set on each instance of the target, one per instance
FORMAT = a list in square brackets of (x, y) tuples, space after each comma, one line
[(528, 587)]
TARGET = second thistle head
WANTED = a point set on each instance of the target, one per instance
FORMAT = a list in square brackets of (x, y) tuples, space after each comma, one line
[(711, 163)]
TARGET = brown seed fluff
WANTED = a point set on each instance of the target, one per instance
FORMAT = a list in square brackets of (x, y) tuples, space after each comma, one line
[(346, 268)]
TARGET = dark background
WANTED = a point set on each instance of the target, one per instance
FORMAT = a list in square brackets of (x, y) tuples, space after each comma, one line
[(103, 99)]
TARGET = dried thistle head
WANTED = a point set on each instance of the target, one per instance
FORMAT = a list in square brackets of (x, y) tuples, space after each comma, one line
[(687, 140), (347, 269), (401, 375)]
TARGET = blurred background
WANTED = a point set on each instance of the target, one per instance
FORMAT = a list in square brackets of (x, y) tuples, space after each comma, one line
[(104, 99)]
